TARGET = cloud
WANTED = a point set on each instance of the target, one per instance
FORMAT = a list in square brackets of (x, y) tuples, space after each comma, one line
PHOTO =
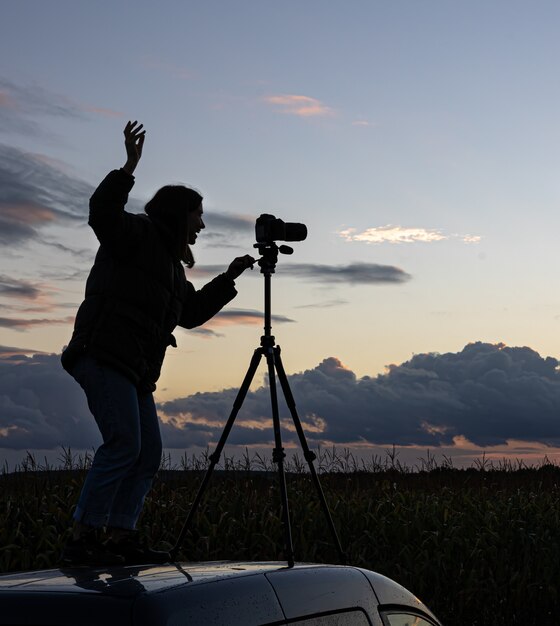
[(19, 104), (352, 274), (205, 332), (469, 238), (14, 288), (244, 316), (235, 317), (43, 306), (41, 406), (15, 354), (324, 304), (486, 394), (400, 234), (66, 273), (34, 194), (22, 324), (80, 253), (302, 106), (34, 99)]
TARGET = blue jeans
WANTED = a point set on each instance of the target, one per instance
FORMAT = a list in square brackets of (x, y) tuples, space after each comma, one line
[(125, 464)]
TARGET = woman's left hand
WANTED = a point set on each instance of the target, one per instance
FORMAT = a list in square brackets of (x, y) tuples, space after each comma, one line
[(239, 265)]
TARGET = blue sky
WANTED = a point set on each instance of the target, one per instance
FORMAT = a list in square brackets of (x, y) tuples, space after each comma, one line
[(417, 140)]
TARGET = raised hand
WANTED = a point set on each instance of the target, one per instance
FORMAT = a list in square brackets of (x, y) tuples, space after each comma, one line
[(133, 141)]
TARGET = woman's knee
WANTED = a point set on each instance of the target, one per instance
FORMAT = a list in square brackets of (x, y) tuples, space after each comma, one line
[(123, 447)]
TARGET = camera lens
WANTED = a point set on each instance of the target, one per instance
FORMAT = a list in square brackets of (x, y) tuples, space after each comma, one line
[(295, 232)]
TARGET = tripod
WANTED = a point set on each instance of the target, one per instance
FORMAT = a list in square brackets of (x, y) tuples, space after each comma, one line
[(268, 349)]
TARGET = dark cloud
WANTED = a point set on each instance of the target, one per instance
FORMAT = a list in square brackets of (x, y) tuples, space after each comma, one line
[(352, 274), (485, 393), (9, 352), (41, 406), (25, 324), (34, 193), (14, 288)]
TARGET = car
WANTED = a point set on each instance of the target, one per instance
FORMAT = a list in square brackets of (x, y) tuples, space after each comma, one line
[(209, 593)]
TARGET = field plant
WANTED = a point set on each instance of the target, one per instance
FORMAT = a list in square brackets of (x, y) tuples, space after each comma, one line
[(479, 545)]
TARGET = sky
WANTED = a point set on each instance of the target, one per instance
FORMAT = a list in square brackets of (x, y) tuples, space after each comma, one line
[(417, 140)]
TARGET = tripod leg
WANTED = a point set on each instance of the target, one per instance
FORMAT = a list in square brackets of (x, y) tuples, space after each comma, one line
[(215, 456), (278, 456), (307, 453)]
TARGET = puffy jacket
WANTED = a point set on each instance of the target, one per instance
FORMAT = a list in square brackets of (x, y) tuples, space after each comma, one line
[(136, 292)]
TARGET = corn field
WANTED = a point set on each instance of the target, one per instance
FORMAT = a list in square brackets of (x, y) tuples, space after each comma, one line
[(480, 546)]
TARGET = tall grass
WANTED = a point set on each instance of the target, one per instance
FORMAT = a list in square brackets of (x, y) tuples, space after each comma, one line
[(480, 545)]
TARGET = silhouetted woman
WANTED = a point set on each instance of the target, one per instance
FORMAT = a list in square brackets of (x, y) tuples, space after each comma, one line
[(136, 294)]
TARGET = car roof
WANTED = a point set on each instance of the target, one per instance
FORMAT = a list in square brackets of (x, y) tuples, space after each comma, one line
[(126, 581), (150, 589)]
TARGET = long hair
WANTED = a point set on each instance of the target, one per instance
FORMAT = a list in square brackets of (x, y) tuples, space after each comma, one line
[(170, 206)]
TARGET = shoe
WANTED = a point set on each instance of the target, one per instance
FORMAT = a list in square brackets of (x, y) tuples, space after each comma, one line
[(135, 552), (89, 550)]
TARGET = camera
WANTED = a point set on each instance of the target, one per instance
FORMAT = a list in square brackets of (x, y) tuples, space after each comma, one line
[(269, 228)]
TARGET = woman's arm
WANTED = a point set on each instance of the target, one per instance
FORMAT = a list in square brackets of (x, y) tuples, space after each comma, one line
[(113, 226), (203, 304)]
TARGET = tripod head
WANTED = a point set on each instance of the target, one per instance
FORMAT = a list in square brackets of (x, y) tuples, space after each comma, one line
[(269, 255)]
